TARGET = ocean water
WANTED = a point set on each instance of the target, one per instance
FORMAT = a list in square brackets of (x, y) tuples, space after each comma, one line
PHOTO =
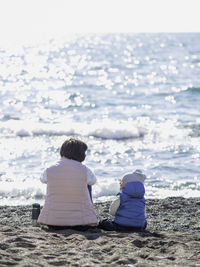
[(133, 98)]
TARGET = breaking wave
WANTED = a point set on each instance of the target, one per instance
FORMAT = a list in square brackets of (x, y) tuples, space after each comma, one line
[(103, 130), (193, 89)]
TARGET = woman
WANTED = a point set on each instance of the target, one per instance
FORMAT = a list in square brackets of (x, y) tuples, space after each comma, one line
[(68, 202)]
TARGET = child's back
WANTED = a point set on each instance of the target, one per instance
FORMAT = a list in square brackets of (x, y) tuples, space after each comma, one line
[(129, 206), (131, 211)]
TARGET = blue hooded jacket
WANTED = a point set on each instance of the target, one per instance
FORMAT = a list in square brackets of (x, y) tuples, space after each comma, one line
[(131, 211)]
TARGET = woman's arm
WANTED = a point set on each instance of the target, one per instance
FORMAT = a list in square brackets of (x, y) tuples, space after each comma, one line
[(91, 178)]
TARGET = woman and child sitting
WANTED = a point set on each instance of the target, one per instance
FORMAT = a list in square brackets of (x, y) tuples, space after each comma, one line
[(68, 202)]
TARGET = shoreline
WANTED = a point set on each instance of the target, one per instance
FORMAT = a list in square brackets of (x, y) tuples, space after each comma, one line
[(172, 238)]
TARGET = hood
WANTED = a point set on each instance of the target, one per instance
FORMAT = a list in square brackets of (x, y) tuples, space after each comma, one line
[(136, 176), (134, 189)]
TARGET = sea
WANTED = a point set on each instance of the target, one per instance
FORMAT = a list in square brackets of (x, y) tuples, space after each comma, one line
[(134, 98)]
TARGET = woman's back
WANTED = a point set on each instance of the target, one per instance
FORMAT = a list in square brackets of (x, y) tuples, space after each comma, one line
[(67, 200)]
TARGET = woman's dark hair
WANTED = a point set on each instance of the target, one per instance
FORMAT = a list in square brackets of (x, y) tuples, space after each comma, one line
[(73, 149)]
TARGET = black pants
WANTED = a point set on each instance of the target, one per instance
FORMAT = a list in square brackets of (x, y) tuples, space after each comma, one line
[(90, 191), (109, 225), (81, 228)]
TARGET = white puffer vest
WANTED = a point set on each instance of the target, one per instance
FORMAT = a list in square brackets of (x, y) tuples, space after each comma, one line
[(67, 200)]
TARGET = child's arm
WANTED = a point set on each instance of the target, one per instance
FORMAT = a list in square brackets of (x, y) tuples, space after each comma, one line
[(43, 178), (114, 206), (91, 178)]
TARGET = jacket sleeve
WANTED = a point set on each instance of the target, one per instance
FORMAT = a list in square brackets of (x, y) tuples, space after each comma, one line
[(114, 206), (43, 178), (91, 178)]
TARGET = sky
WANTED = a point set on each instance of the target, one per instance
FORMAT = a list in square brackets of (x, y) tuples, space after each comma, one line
[(33, 20)]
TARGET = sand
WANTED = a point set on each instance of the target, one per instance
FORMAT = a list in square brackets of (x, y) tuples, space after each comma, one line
[(172, 238)]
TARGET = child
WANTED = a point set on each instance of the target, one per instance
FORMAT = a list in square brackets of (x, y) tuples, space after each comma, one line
[(68, 202), (129, 206)]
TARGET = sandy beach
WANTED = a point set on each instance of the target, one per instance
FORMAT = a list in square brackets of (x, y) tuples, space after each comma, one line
[(172, 238)]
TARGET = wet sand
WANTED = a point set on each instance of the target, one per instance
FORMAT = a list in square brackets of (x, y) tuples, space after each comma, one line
[(172, 238)]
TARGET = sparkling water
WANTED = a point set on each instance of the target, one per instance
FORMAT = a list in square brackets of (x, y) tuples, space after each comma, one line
[(133, 98)]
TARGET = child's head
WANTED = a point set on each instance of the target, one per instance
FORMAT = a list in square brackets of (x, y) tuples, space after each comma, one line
[(73, 149), (136, 176)]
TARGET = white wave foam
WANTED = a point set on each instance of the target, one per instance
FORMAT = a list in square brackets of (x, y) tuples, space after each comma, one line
[(105, 188), (27, 193), (106, 129), (22, 193), (153, 192), (115, 130)]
